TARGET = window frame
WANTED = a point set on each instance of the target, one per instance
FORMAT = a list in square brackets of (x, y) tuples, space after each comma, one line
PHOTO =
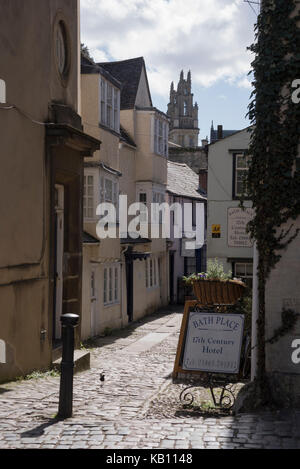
[(104, 178), (161, 136), (90, 173), (109, 103), (151, 273), (236, 195), (247, 278), (111, 280)]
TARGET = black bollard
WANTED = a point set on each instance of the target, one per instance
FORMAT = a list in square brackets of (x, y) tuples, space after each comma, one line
[(69, 322)]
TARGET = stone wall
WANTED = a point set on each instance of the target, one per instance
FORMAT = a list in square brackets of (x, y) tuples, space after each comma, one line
[(195, 158)]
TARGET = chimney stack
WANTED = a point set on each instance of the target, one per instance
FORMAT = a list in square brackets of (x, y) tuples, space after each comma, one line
[(220, 132), (203, 180)]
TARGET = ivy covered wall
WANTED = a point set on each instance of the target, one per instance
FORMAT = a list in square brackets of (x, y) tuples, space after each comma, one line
[(274, 187)]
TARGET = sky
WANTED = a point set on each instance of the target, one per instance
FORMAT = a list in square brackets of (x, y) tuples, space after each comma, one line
[(208, 37)]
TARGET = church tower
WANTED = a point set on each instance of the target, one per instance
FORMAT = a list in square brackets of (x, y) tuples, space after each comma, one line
[(183, 113)]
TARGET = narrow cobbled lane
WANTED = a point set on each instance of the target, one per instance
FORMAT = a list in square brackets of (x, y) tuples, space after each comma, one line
[(133, 407)]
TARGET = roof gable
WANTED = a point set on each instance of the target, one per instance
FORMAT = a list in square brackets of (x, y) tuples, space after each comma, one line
[(131, 73)]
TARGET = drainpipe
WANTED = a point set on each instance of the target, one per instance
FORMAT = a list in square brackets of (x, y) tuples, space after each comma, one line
[(255, 306)]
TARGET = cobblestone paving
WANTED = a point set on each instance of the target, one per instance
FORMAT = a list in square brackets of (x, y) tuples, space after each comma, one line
[(122, 412)]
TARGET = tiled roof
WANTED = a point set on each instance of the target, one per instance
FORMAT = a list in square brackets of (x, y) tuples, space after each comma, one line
[(125, 136), (128, 72), (90, 67), (183, 181)]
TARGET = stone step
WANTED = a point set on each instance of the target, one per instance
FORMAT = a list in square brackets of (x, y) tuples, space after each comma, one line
[(82, 361)]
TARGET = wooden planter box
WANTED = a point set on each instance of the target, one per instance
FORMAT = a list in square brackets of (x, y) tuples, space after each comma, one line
[(211, 292)]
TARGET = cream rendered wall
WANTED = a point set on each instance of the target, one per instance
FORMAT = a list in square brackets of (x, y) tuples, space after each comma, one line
[(109, 251), (136, 166), (219, 193), (150, 166), (128, 121), (143, 139), (128, 170)]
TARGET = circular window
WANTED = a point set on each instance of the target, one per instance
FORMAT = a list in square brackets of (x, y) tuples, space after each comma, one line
[(62, 54)]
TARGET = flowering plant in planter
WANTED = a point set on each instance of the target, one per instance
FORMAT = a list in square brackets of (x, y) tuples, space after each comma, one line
[(215, 286)]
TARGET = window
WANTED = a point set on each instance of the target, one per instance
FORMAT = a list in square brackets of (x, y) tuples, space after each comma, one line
[(105, 287), (109, 191), (109, 105), (146, 273), (151, 276), (88, 197), (161, 132), (151, 273), (244, 270), (241, 172), (116, 291), (111, 284), (103, 107), (185, 108)]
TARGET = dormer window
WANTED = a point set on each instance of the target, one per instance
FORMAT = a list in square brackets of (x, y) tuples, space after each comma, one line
[(109, 105)]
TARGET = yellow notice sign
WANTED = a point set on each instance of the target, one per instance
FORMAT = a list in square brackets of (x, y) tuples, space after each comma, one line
[(216, 229)]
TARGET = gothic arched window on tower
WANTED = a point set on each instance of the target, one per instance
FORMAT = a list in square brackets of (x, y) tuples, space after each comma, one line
[(185, 108)]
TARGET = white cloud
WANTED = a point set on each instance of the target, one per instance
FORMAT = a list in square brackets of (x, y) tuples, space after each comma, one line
[(209, 37)]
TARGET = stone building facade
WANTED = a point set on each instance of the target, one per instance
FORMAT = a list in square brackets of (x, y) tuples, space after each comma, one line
[(42, 147)]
